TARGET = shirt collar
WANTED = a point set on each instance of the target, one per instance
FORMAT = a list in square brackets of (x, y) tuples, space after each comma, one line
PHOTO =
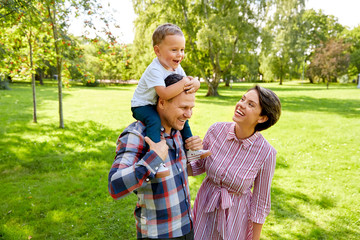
[(247, 142), (173, 132)]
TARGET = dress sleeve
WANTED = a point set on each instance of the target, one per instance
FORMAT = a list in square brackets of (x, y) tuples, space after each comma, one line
[(133, 166), (198, 166), (261, 198)]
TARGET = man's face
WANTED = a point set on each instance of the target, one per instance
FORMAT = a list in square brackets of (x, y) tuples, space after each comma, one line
[(170, 51), (173, 113)]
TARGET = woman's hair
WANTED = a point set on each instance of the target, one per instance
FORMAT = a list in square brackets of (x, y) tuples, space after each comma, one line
[(163, 30), (270, 107)]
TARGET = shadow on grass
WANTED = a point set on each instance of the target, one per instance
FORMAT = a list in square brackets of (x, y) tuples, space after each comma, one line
[(55, 184), (285, 206)]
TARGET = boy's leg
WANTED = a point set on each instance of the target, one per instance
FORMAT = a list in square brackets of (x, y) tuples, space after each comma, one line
[(190, 154), (149, 116), (186, 131)]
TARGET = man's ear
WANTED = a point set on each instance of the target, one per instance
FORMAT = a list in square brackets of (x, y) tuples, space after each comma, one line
[(161, 103), (263, 119), (157, 50)]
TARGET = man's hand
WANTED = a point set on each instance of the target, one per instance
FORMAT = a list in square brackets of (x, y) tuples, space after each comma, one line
[(193, 143), (160, 148)]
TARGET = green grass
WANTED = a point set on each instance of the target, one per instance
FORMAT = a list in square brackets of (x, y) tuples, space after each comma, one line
[(54, 181)]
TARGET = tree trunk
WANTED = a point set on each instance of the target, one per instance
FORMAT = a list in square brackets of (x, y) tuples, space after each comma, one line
[(58, 63), (32, 77), (212, 89), (327, 82)]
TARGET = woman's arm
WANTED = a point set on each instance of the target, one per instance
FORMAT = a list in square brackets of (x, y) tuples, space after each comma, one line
[(256, 231)]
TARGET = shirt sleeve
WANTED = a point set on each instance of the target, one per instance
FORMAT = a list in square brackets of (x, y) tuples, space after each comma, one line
[(154, 78), (261, 198), (133, 167), (198, 166)]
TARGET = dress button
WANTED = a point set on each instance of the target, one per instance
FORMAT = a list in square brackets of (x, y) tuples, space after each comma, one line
[(147, 179)]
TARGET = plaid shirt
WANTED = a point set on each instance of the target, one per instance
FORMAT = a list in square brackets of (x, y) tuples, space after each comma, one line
[(163, 209)]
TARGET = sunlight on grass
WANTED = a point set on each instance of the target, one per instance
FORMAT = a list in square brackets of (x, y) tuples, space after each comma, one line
[(54, 181)]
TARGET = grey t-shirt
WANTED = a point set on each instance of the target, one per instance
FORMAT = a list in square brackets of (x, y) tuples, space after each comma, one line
[(153, 76)]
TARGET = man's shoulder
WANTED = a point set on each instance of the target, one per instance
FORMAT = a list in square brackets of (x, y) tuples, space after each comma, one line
[(135, 127)]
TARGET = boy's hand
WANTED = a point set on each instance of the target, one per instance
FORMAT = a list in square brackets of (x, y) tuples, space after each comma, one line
[(192, 85), (193, 143), (161, 148)]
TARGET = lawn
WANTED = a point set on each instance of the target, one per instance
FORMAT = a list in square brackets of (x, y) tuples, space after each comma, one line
[(54, 181)]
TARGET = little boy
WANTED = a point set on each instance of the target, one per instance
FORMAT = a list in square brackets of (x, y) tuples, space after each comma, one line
[(169, 46)]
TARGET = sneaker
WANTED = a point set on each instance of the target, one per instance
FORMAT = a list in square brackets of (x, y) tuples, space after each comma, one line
[(163, 171), (197, 154)]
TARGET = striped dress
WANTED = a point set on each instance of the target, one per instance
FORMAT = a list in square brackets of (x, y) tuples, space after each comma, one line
[(236, 190)]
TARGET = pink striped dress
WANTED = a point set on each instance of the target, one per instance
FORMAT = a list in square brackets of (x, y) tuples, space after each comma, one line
[(225, 206)]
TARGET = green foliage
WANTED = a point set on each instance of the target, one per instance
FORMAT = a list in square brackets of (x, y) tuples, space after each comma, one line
[(220, 35), (54, 181), (353, 37), (330, 60)]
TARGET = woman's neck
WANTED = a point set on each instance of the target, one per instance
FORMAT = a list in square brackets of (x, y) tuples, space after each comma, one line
[(242, 133)]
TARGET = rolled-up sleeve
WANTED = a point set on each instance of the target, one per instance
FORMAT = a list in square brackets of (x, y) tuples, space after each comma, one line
[(261, 198), (133, 166), (198, 166)]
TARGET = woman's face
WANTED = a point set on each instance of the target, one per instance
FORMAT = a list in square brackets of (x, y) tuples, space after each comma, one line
[(248, 110)]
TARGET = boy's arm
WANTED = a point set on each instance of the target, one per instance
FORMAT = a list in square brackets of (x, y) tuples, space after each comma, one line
[(171, 91)]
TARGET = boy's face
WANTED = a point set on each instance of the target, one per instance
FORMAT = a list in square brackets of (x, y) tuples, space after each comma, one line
[(170, 51)]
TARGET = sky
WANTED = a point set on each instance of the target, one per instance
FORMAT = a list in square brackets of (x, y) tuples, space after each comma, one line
[(347, 12)]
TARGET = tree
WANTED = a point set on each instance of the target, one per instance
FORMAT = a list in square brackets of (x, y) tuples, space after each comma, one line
[(330, 60), (281, 45), (316, 28), (353, 37), (219, 34), (22, 40)]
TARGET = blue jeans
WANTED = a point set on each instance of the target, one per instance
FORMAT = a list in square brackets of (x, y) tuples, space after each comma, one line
[(150, 117)]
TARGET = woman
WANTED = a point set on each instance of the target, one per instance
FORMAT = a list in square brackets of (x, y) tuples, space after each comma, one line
[(225, 207)]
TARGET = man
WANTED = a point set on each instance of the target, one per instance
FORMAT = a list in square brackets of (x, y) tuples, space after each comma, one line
[(163, 210)]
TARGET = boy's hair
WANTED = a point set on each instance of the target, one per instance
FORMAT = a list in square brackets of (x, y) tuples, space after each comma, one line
[(163, 30)]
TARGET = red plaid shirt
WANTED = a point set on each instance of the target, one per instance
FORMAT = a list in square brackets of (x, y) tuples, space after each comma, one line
[(163, 209)]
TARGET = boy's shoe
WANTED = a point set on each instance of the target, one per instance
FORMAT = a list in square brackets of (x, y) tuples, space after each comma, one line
[(197, 154), (162, 171)]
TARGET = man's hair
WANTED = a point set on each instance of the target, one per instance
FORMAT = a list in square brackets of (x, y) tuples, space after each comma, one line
[(163, 30), (172, 78), (270, 106)]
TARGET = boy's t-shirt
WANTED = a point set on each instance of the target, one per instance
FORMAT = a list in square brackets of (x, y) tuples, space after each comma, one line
[(153, 76)]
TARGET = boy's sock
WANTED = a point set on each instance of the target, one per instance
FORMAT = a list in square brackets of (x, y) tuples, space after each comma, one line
[(197, 154)]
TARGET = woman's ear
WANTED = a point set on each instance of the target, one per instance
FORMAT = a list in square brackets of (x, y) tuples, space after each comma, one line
[(262, 119)]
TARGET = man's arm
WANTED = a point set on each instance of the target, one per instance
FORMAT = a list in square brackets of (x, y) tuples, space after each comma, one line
[(133, 167)]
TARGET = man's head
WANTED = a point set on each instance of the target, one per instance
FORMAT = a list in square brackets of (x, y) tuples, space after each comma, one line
[(169, 45), (174, 112)]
